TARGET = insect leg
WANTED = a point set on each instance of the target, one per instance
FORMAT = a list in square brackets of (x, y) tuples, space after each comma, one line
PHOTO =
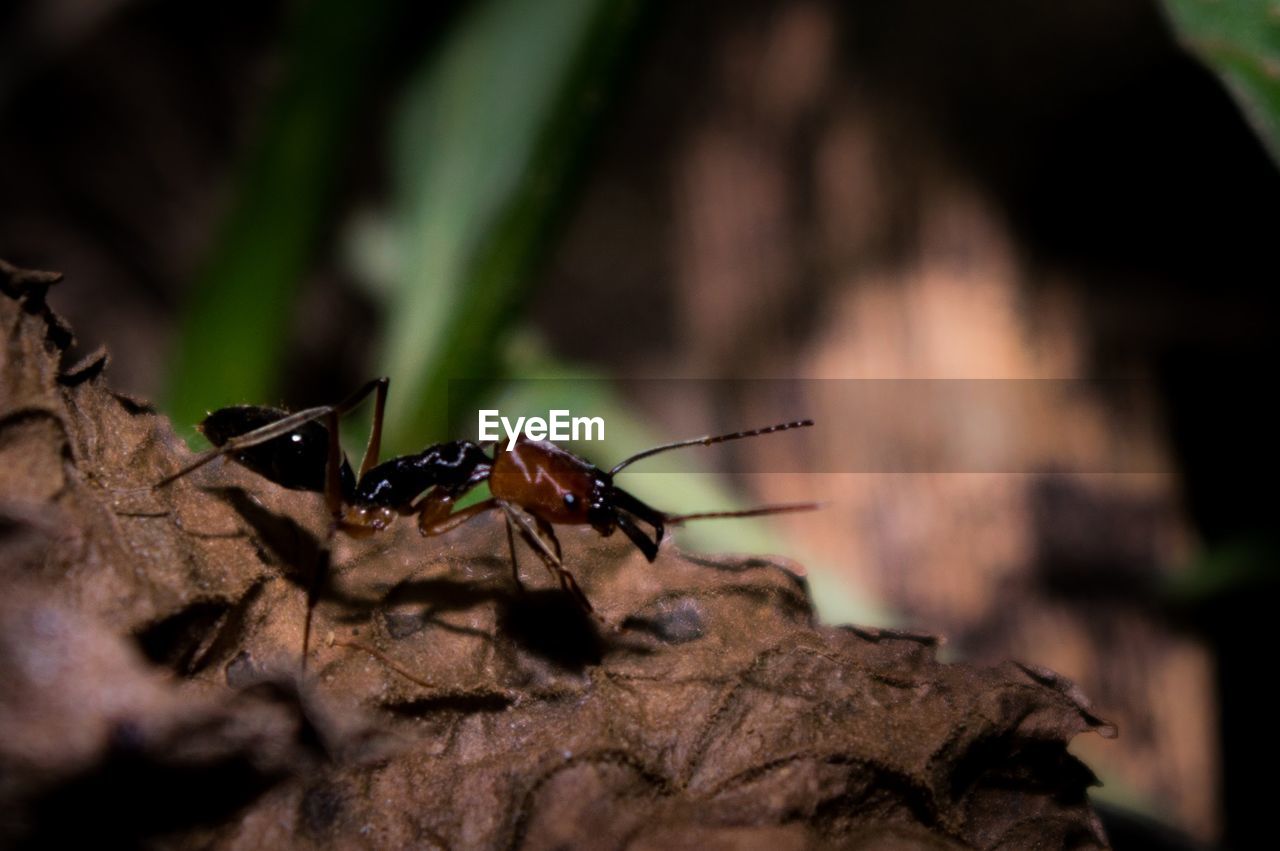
[(567, 580), (549, 532), (318, 577), (549, 558), (437, 515), (334, 500), (375, 432), (511, 548), (436, 519), (646, 546), (333, 473)]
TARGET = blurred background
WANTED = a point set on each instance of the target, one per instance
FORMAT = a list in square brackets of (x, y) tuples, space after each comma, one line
[(272, 201)]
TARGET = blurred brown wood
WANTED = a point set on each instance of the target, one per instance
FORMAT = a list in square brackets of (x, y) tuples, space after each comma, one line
[(814, 190)]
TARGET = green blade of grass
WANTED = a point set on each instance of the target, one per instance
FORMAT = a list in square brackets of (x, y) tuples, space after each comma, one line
[(1240, 41), (235, 326), (490, 132)]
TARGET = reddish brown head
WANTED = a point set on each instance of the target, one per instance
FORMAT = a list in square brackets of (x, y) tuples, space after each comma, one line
[(546, 481), (559, 487)]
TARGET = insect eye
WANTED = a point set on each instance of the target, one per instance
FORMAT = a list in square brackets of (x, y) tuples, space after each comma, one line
[(570, 501)]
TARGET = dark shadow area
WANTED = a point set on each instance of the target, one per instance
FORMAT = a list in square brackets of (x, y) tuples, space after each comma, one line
[(1111, 149), (286, 543), (138, 793), (1013, 762), (1129, 831), (175, 640), (552, 626), (1089, 545), (289, 692), (415, 604), (202, 634), (462, 704)]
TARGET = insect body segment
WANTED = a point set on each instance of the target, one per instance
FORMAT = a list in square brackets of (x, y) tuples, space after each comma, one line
[(559, 487), (545, 480), (295, 460), (454, 468)]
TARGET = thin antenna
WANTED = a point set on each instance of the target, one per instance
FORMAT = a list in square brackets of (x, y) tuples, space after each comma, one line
[(710, 439), (788, 508)]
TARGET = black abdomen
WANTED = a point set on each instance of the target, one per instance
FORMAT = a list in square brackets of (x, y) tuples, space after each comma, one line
[(295, 460), (453, 467)]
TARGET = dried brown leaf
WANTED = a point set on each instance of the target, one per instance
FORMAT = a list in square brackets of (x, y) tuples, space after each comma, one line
[(150, 638)]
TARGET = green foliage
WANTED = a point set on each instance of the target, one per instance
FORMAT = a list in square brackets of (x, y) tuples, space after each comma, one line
[(488, 134), (235, 329), (1242, 565), (1240, 41)]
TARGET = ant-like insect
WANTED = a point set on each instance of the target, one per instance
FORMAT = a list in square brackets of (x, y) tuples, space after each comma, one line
[(535, 484)]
